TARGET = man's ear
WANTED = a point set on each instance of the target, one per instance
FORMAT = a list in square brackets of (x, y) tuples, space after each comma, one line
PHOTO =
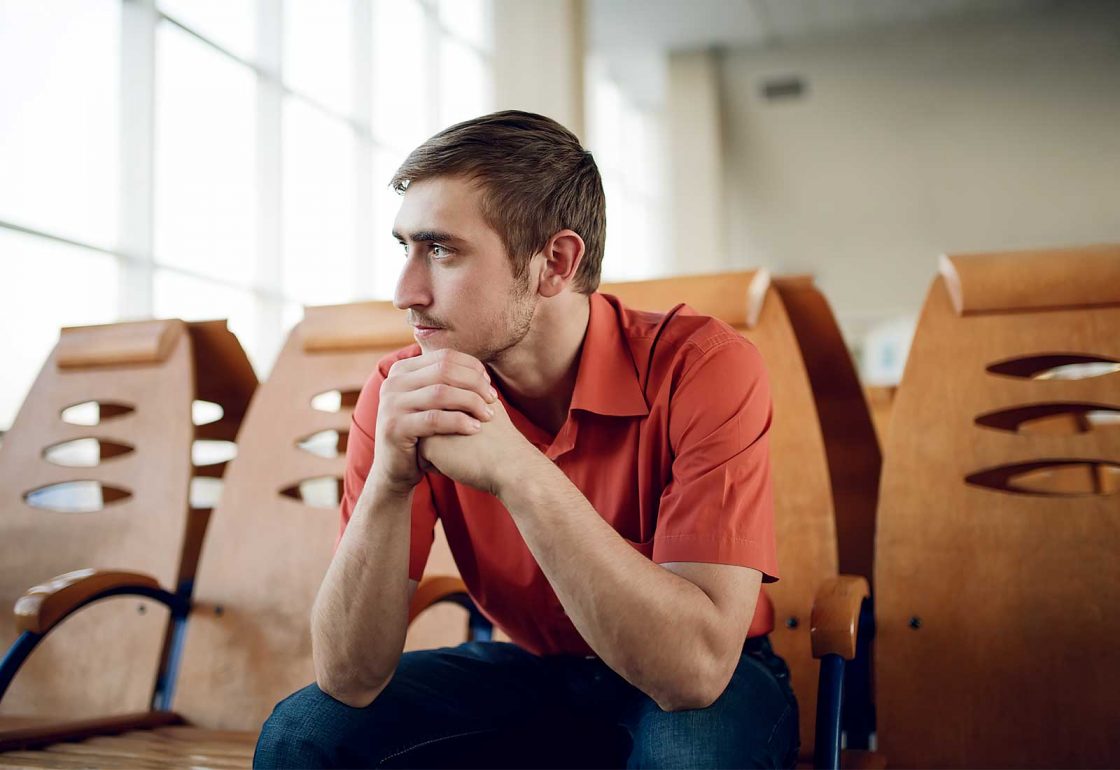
[(563, 255)]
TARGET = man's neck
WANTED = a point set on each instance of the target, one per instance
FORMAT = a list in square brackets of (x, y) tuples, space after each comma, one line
[(538, 375)]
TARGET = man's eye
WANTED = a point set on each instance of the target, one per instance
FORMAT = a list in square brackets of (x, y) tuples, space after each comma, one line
[(404, 248), (438, 252)]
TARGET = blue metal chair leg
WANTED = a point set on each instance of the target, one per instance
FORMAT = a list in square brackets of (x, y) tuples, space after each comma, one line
[(481, 629), (826, 752), (13, 659)]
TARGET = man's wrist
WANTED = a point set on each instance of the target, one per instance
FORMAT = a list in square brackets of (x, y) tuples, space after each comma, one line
[(517, 477), (382, 490)]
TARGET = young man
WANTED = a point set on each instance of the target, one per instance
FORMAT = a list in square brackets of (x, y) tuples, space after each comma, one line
[(602, 475)]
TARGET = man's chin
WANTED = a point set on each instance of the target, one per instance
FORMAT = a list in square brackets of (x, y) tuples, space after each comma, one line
[(439, 342), (432, 345)]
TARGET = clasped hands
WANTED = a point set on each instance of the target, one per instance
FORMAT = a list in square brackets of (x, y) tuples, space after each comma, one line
[(440, 410)]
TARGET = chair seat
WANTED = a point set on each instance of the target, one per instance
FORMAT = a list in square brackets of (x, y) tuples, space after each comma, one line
[(193, 748), (163, 747)]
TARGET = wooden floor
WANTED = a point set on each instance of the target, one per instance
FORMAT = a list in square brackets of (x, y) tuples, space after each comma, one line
[(162, 747)]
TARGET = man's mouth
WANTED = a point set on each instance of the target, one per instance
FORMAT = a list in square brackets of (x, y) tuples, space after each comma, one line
[(425, 331)]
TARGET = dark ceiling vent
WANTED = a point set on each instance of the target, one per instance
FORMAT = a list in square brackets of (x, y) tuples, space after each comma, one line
[(783, 89)]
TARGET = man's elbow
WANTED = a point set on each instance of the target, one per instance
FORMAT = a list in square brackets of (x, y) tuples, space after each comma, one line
[(697, 691), (687, 701), (348, 692)]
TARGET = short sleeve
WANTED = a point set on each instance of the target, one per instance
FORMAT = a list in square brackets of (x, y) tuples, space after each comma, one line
[(359, 459), (718, 507)]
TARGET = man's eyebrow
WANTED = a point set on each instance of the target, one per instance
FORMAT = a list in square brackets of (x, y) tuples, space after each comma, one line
[(427, 236)]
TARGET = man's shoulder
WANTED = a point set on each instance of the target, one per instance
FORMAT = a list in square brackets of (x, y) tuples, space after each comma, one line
[(681, 335)]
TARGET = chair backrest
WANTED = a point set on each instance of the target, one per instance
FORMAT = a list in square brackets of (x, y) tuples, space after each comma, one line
[(271, 537), (96, 473), (997, 568), (803, 510), (850, 440)]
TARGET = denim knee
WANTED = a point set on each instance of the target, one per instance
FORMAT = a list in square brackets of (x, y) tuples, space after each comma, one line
[(752, 724), (300, 732), (704, 738)]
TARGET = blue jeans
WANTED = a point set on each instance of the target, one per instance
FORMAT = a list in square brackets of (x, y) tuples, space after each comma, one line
[(493, 704)]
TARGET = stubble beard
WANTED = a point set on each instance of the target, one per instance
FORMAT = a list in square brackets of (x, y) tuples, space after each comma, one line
[(516, 322)]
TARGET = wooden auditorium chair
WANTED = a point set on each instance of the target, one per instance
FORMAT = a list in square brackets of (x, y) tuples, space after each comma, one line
[(781, 317), (270, 539), (998, 547), (95, 479)]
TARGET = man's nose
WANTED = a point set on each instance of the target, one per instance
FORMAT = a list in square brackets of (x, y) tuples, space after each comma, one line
[(413, 288)]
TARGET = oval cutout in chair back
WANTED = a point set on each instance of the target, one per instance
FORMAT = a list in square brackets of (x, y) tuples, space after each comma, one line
[(206, 452), (1056, 366), (80, 496), (318, 492), (1051, 478), (85, 452), (335, 400), (205, 491), (325, 443), (205, 412), (1052, 418), (89, 413)]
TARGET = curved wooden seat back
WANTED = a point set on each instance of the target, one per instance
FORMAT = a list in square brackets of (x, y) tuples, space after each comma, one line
[(269, 544), (854, 459), (998, 545), (145, 375), (803, 512)]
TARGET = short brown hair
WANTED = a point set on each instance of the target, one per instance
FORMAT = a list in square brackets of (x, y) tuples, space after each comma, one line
[(536, 179)]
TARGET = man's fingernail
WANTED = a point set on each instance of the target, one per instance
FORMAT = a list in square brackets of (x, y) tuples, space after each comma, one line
[(476, 424), (493, 394), (490, 411)]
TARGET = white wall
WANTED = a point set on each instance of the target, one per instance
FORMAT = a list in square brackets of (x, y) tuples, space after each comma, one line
[(962, 136), (539, 52), (695, 162)]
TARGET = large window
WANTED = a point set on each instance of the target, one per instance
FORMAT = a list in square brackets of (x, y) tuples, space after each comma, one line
[(628, 142), (212, 158)]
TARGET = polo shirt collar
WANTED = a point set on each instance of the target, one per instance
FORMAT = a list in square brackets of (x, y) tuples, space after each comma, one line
[(607, 381)]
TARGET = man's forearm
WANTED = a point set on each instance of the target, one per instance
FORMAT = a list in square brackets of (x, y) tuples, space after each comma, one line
[(655, 629), (360, 615)]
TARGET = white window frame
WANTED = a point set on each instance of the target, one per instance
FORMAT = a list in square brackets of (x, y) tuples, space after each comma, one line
[(135, 245)]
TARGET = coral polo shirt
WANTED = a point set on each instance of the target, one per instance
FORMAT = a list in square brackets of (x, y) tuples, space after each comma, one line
[(667, 438)]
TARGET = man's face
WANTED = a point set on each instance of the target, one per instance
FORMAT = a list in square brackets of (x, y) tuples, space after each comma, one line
[(457, 282)]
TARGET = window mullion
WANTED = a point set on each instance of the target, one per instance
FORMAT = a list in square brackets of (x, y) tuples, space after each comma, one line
[(136, 224), (435, 83), (270, 263), (362, 46)]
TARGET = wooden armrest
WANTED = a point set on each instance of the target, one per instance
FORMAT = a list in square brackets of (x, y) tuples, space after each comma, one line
[(432, 590), (835, 618), (43, 606)]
